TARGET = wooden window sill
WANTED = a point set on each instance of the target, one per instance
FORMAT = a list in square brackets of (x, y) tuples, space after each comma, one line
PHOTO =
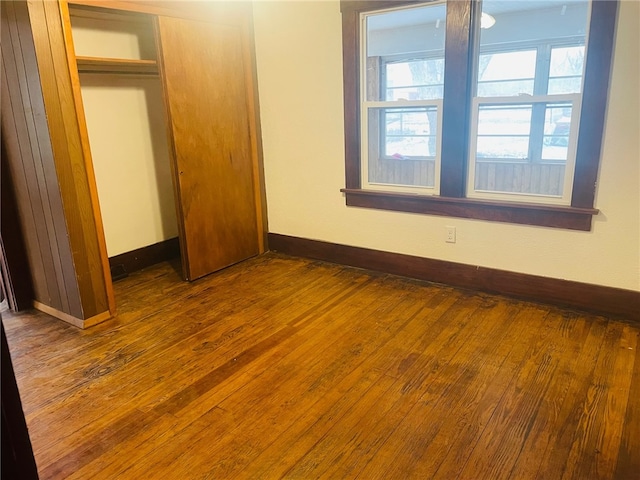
[(556, 216)]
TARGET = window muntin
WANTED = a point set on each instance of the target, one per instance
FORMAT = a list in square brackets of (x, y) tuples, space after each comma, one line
[(402, 91)]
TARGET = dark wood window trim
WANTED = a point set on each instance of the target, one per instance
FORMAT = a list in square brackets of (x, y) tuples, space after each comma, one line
[(452, 201)]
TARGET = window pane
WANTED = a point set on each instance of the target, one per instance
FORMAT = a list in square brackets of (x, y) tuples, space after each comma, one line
[(566, 61), (414, 93), (402, 146), (557, 127), (415, 80), (405, 53), (562, 85), (504, 120), (503, 147), (503, 132), (565, 70), (507, 73), (409, 132), (507, 88)]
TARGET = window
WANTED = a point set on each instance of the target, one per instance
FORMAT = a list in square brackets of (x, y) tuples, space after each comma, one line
[(475, 109), (402, 99)]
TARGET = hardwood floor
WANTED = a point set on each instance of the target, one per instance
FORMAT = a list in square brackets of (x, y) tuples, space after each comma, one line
[(282, 367)]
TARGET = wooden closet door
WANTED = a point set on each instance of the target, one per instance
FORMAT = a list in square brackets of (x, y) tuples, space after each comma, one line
[(202, 67)]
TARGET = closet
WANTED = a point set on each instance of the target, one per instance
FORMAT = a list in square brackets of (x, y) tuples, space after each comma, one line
[(126, 124), (152, 114), (202, 69)]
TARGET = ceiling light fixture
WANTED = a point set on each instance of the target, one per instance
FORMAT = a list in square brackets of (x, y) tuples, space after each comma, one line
[(487, 21)]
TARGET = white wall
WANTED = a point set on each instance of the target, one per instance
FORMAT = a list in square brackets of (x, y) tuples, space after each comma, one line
[(299, 60)]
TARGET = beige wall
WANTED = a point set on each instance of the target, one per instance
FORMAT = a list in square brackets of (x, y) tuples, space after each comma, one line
[(299, 58), (129, 148), (127, 134)]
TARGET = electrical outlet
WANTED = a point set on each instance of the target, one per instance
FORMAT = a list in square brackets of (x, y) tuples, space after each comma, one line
[(451, 235)]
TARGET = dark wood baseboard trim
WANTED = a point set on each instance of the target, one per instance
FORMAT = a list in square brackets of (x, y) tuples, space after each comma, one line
[(583, 296), (144, 257)]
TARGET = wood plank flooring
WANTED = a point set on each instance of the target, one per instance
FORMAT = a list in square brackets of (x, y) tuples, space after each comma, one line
[(282, 367)]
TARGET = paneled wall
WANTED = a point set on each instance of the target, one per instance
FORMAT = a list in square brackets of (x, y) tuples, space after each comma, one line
[(28, 159), (56, 200)]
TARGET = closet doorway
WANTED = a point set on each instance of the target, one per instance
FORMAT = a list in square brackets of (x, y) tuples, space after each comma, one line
[(168, 108), (127, 131)]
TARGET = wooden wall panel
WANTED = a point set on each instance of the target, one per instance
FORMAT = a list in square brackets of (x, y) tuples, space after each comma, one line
[(28, 159), (16, 283), (72, 163), (42, 141), (11, 151)]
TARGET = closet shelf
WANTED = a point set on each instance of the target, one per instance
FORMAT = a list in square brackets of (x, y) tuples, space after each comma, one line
[(116, 65)]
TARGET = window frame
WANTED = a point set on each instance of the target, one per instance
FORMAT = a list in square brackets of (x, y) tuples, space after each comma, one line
[(452, 200), (569, 164), (374, 186)]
